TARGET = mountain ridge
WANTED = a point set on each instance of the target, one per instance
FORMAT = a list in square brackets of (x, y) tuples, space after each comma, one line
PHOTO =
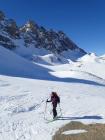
[(31, 35)]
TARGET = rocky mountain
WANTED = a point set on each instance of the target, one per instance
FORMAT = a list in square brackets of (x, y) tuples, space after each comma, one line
[(34, 37)]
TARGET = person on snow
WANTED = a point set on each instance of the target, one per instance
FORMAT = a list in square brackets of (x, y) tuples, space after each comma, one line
[(55, 99)]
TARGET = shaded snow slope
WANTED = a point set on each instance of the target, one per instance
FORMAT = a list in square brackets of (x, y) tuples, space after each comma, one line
[(72, 55), (14, 65), (50, 59)]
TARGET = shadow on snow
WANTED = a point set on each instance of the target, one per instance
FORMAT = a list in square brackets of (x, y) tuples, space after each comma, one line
[(81, 118), (41, 73)]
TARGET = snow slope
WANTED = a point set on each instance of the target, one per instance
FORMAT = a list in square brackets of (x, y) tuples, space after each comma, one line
[(25, 86), (89, 64), (14, 65), (22, 106)]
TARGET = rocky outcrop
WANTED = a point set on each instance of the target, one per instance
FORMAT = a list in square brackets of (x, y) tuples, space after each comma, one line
[(2, 15), (6, 42), (11, 28)]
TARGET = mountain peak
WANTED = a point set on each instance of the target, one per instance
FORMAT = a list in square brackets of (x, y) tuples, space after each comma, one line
[(29, 26), (2, 15)]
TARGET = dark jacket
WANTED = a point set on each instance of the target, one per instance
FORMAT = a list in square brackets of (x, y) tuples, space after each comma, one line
[(54, 99)]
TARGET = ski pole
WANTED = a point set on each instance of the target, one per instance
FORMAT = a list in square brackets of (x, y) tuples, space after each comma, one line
[(60, 109), (45, 111)]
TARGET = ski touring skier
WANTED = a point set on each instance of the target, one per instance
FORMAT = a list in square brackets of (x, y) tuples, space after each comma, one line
[(55, 99)]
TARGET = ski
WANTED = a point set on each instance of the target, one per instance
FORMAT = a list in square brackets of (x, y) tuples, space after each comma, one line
[(49, 121), (52, 120)]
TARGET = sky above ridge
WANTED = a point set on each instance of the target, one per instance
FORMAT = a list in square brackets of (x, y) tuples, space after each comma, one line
[(82, 20)]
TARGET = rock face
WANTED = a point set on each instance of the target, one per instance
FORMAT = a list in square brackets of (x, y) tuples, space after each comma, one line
[(2, 16), (34, 35)]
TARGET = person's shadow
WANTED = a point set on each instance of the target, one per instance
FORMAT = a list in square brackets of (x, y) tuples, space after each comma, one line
[(79, 118)]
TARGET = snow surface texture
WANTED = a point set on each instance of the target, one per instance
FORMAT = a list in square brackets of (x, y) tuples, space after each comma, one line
[(25, 86), (73, 132)]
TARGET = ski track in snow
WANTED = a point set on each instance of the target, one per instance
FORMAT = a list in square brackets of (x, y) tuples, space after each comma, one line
[(22, 106)]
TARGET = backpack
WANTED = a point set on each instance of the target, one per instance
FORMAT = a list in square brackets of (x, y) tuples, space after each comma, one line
[(58, 99)]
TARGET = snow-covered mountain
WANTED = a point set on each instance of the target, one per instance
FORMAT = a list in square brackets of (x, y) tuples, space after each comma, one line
[(33, 41)]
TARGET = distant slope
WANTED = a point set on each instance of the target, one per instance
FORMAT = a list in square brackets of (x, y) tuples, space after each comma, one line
[(87, 67), (93, 64)]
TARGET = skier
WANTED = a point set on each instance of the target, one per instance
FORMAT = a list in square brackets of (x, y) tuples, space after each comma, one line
[(55, 99)]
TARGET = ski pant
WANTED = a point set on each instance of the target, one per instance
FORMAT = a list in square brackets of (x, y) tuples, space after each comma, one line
[(54, 112)]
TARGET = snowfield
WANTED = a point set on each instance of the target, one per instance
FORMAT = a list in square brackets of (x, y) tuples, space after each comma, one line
[(72, 132), (25, 86)]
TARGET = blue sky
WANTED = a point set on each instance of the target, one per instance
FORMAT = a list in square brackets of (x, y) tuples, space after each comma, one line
[(82, 20)]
